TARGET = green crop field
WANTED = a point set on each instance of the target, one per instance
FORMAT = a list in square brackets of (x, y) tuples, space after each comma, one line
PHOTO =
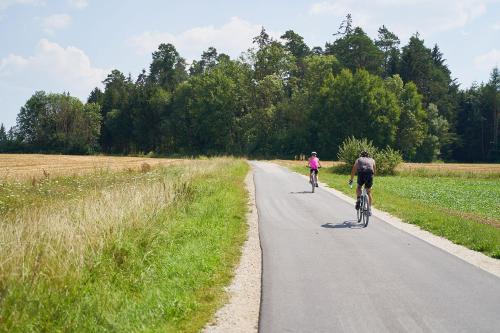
[(120, 250), (450, 203)]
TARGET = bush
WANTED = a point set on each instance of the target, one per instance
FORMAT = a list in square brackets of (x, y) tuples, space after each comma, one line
[(351, 147), (386, 159)]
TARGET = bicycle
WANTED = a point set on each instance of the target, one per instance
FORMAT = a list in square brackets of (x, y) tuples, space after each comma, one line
[(363, 213), (313, 180)]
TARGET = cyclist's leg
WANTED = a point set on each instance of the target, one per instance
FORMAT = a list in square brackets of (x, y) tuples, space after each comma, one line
[(368, 185), (358, 194), (360, 181), (317, 176)]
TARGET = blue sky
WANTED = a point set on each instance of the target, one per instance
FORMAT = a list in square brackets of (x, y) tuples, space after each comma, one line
[(71, 45)]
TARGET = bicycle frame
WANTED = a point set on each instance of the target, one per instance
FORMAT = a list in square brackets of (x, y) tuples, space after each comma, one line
[(364, 207), (313, 180)]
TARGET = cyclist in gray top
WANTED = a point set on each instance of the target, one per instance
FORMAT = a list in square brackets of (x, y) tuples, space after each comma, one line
[(365, 168)]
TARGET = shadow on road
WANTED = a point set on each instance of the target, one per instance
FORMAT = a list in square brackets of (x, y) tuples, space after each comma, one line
[(353, 224), (302, 192)]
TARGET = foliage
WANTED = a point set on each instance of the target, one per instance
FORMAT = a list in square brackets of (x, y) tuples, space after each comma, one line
[(350, 149), (386, 159), (355, 50), (59, 122), (282, 98)]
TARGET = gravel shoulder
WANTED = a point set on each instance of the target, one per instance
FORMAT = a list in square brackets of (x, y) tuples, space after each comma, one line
[(241, 314)]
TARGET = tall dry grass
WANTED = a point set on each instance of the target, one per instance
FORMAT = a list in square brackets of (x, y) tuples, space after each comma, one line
[(58, 240)]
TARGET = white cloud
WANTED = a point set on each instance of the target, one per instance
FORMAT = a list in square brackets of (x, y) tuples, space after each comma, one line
[(231, 38), (406, 16), (55, 22), (4, 4), (488, 60), (80, 4), (51, 68), (496, 26)]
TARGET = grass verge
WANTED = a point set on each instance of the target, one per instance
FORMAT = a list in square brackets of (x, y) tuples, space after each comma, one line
[(462, 209), (150, 252)]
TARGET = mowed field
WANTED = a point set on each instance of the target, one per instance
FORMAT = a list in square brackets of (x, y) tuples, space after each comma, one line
[(460, 202), (428, 169), (100, 244), (23, 166)]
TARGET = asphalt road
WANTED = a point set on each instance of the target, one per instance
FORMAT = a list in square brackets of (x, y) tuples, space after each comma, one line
[(323, 273)]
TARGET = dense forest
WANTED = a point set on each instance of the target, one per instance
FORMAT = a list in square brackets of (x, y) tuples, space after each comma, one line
[(280, 98)]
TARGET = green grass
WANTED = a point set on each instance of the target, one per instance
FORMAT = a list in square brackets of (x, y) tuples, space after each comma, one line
[(463, 210), (164, 274)]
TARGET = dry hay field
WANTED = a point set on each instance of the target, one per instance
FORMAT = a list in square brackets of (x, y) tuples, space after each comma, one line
[(25, 166), (459, 167), (430, 169)]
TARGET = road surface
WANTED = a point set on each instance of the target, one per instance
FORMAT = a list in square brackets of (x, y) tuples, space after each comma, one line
[(323, 273)]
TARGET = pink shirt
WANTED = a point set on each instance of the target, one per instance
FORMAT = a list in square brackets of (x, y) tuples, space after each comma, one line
[(314, 163)]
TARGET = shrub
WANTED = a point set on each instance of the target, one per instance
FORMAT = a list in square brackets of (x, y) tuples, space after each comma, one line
[(351, 147), (386, 159)]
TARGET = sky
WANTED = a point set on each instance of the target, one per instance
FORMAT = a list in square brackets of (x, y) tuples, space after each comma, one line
[(71, 45)]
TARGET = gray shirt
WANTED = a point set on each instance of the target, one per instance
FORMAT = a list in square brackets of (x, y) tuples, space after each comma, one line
[(365, 164)]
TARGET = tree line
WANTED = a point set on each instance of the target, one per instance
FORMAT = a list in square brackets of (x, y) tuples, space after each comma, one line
[(280, 98)]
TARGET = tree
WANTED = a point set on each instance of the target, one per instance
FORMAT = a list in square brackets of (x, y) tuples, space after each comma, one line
[(3, 134), (59, 122), (168, 69), (472, 126), (273, 59), (263, 39), (411, 127), (294, 43), (345, 27), (427, 69), (208, 60), (491, 107), (317, 50), (96, 96), (212, 108), (436, 136), (355, 50), (356, 104), (116, 113), (388, 43)]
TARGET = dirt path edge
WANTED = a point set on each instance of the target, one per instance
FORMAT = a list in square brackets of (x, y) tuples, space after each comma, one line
[(241, 314)]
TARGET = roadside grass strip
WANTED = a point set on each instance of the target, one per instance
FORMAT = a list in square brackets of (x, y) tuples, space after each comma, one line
[(464, 210), (133, 252)]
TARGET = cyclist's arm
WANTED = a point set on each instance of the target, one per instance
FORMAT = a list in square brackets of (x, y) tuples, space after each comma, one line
[(374, 168), (354, 168)]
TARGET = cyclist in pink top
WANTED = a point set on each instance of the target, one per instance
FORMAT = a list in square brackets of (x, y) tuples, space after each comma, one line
[(314, 164)]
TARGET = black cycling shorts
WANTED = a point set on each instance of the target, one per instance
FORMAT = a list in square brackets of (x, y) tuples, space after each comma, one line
[(315, 171), (365, 178)]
